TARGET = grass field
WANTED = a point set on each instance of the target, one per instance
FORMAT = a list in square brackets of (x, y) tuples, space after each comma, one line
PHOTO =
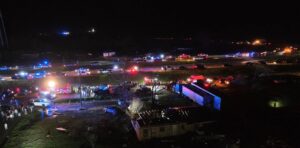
[(32, 132)]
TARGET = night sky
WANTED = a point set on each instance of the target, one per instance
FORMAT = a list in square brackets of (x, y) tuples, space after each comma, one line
[(140, 18)]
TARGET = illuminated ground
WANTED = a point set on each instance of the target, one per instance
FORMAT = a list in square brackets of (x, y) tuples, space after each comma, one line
[(43, 133)]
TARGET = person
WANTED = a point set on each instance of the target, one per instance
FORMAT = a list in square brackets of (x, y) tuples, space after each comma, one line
[(31, 108), (16, 112), (11, 116), (25, 111), (5, 126)]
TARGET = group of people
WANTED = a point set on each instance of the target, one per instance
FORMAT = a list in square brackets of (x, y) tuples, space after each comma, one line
[(11, 109), (9, 113)]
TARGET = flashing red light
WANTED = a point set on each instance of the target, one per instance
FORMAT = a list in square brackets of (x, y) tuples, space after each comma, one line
[(18, 90), (133, 70), (197, 77), (206, 85), (194, 67)]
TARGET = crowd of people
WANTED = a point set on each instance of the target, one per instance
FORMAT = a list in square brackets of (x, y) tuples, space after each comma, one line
[(11, 109)]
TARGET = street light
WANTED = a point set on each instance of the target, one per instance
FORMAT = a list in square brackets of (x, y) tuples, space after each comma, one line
[(288, 50), (257, 42), (155, 84), (51, 84), (136, 68), (116, 67)]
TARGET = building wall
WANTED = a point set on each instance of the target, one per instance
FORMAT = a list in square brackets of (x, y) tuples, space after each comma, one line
[(164, 130)]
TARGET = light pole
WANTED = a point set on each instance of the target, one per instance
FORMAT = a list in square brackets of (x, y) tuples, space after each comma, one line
[(154, 87), (80, 92)]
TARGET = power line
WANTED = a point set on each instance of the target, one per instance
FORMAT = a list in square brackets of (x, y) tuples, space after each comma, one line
[(3, 34)]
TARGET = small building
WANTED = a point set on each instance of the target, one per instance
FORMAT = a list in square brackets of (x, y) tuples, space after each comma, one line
[(172, 122)]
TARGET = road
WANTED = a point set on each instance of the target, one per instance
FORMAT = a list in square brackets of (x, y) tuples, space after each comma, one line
[(89, 105)]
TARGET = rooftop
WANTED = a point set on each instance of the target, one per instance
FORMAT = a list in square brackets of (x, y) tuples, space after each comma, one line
[(176, 115)]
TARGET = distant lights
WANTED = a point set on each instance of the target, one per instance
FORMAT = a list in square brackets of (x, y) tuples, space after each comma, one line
[(65, 33), (92, 30), (146, 79), (288, 50), (23, 73), (116, 67), (136, 68), (46, 62), (257, 42), (51, 84), (209, 80), (162, 56)]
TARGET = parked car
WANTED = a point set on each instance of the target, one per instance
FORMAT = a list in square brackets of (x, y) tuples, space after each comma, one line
[(249, 64), (182, 68), (227, 65), (112, 110), (5, 108), (42, 102), (167, 68), (200, 66), (263, 62)]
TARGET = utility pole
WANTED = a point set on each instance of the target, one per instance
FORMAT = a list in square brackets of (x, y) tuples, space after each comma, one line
[(154, 88), (80, 92)]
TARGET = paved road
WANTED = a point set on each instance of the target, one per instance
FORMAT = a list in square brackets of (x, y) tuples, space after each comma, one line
[(90, 105)]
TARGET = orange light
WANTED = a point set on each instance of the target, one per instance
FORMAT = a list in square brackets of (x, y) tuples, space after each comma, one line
[(227, 82), (257, 42), (287, 50)]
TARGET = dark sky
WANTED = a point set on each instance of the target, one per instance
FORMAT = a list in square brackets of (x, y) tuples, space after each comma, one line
[(222, 20)]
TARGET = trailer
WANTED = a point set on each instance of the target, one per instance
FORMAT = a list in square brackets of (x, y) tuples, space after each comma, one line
[(201, 96)]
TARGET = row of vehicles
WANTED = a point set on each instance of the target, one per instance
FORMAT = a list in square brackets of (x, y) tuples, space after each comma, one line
[(164, 58), (220, 82), (26, 76)]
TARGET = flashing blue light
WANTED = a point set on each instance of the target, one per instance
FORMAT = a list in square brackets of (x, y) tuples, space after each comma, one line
[(103, 87), (251, 54), (40, 74), (46, 62), (4, 68), (23, 74), (116, 67), (65, 33)]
